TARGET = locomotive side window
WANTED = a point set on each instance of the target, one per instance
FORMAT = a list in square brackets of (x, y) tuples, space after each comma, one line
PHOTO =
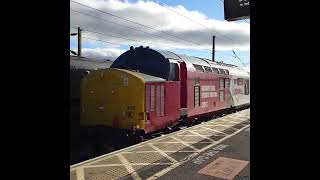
[(148, 98), (196, 96), (221, 95), (152, 97), (160, 100)]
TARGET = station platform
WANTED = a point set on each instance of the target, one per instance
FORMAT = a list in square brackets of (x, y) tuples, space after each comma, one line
[(216, 149)]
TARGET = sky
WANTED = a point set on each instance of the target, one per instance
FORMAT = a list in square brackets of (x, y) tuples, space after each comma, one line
[(110, 27)]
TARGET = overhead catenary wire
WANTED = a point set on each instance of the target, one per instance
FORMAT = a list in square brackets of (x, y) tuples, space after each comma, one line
[(232, 41), (102, 19), (138, 24), (109, 35), (193, 20), (129, 27), (104, 34), (125, 19), (128, 21), (104, 41), (237, 57)]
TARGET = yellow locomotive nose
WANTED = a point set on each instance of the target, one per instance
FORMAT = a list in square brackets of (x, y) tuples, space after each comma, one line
[(113, 98)]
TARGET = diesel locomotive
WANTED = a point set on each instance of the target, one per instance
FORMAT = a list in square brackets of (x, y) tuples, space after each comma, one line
[(146, 90)]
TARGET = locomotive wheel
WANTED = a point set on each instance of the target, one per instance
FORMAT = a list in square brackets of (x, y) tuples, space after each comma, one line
[(135, 137)]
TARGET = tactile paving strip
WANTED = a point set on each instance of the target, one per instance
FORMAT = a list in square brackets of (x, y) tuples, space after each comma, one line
[(170, 146), (188, 139), (145, 157), (99, 173), (109, 160), (142, 148)]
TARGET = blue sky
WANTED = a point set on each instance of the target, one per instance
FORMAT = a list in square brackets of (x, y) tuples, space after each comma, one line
[(213, 9)]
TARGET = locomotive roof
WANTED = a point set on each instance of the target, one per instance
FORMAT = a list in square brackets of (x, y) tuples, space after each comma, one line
[(149, 78), (183, 57)]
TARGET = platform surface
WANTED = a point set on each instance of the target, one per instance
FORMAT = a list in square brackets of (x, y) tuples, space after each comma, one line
[(216, 149)]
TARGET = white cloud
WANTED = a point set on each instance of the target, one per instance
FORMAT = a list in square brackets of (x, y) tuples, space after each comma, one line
[(101, 53), (151, 14)]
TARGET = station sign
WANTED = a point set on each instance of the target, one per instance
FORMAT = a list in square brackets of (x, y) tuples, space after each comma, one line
[(236, 10)]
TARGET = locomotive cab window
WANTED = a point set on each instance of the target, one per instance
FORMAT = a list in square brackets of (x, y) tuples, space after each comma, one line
[(174, 72)]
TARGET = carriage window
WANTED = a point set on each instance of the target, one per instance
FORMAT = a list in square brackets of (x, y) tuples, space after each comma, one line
[(207, 69), (227, 72), (196, 96), (198, 67), (221, 95), (235, 81), (196, 81), (246, 87), (240, 81), (215, 70), (221, 83), (221, 71), (226, 83)]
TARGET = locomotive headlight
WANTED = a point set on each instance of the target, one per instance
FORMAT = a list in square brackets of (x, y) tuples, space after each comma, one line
[(141, 115), (100, 108)]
